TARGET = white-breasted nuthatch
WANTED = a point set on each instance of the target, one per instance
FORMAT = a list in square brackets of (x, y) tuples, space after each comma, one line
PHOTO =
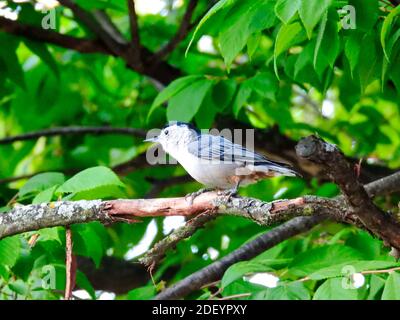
[(214, 161)]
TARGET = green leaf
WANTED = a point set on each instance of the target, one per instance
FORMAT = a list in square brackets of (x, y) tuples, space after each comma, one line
[(319, 258), (252, 43), (90, 179), (240, 269), (143, 293), (91, 245), (334, 289), (265, 84), (369, 67), (242, 20), (184, 105), (286, 9), (376, 285), (362, 241), (9, 250), (214, 9), (50, 234), (207, 111), (288, 35), (83, 282), (327, 50), (352, 49), (223, 93), (172, 89), (42, 51), (311, 12), (19, 287), (242, 95), (320, 36), (45, 195), (367, 13), (9, 58), (290, 291), (101, 192), (392, 287), (386, 29), (41, 182)]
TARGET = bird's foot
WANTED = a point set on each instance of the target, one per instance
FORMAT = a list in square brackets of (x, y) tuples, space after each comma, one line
[(229, 193), (191, 196)]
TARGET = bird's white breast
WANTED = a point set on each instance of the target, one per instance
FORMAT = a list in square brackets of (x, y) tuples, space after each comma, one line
[(209, 173)]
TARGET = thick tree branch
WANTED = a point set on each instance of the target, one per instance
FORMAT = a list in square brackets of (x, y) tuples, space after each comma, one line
[(182, 32), (340, 171), (163, 72), (250, 250), (135, 36), (215, 270), (62, 213), (38, 34)]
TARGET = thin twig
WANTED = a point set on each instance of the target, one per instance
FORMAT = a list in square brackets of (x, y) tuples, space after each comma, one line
[(73, 130), (182, 32), (235, 296), (380, 271), (70, 274), (154, 255)]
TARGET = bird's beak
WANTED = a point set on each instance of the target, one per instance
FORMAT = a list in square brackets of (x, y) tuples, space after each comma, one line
[(154, 139)]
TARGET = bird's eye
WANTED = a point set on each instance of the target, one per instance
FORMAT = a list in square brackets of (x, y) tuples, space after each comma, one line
[(166, 132)]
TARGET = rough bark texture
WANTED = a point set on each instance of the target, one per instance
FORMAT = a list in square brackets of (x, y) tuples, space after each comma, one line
[(37, 216), (62, 213), (340, 171)]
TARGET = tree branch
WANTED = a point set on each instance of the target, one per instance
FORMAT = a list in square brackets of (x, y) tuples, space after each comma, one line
[(73, 130), (70, 265), (163, 73), (62, 213), (135, 36), (215, 270), (180, 34), (155, 254), (340, 171), (266, 241), (38, 34), (100, 27)]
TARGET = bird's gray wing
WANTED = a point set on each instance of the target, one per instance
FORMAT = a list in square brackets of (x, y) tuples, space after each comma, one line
[(209, 147)]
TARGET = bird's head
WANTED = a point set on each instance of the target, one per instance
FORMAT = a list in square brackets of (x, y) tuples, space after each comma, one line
[(175, 135)]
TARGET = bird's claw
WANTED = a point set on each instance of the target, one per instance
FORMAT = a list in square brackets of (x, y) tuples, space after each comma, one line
[(194, 195), (228, 193)]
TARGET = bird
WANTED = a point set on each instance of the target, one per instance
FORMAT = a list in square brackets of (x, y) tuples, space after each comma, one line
[(216, 162)]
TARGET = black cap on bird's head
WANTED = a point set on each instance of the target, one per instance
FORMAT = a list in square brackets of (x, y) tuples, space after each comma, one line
[(175, 129), (182, 124)]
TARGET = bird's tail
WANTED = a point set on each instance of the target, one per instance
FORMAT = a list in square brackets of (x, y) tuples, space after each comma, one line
[(278, 168), (283, 171)]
